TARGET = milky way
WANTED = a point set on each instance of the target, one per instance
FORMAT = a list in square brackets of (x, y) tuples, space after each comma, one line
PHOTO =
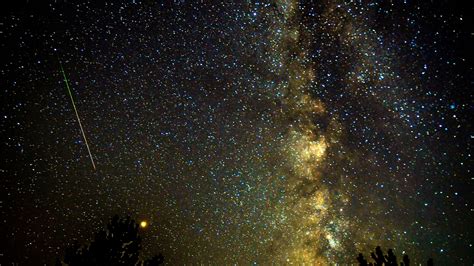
[(268, 132)]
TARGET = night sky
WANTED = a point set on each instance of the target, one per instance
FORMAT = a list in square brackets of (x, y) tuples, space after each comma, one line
[(268, 132)]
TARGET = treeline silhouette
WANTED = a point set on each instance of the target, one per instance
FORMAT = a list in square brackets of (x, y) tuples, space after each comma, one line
[(119, 244), (380, 259)]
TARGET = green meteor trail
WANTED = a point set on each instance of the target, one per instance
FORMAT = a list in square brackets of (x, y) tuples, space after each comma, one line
[(77, 115)]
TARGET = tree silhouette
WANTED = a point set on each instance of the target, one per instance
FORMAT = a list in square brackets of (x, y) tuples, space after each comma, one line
[(361, 260), (120, 244), (430, 262), (385, 260), (378, 257), (406, 260)]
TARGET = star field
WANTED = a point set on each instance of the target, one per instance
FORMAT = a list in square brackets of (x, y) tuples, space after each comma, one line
[(279, 132)]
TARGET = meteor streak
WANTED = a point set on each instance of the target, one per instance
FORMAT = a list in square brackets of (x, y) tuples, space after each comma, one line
[(77, 115)]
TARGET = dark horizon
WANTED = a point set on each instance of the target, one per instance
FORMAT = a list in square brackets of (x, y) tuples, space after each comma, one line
[(241, 132)]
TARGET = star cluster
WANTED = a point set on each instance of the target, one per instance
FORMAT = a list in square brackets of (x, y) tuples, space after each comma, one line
[(286, 131)]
